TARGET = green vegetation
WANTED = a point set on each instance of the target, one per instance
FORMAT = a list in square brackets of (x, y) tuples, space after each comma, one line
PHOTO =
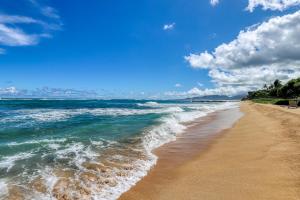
[(271, 101), (276, 93)]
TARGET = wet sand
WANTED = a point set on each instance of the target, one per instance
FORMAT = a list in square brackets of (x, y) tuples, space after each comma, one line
[(258, 158)]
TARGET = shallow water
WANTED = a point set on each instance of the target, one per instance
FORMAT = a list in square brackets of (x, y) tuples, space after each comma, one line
[(85, 149)]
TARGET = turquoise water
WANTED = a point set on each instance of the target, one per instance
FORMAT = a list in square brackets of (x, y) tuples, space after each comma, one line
[(86, 149)]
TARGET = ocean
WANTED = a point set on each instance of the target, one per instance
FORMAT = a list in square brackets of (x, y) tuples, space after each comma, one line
[(86, 149)]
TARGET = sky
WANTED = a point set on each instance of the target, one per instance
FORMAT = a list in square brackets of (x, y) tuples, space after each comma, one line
[(158, 49)]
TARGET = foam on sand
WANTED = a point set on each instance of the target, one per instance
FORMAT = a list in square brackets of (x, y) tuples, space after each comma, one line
[(3, 189)]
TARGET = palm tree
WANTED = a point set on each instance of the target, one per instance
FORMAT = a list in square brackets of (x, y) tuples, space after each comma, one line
[(277, 83)]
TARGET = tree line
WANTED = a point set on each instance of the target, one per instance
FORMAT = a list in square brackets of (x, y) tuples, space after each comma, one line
[(289, 90)]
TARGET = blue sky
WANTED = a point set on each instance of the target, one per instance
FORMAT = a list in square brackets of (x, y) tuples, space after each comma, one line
[(132, 49)]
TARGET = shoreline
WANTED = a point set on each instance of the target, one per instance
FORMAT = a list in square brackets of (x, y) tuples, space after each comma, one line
[(188, 144), (254, 159)]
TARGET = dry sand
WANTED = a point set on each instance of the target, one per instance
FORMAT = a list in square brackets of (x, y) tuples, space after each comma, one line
[(258, 158)]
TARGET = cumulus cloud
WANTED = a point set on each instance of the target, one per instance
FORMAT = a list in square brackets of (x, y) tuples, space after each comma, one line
[(260, 54), (214, 2), (169, 26), (229, 91), (272, 4), (273, 43)]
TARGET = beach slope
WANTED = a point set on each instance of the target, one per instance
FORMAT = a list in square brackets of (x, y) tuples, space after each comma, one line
[(258, 158)]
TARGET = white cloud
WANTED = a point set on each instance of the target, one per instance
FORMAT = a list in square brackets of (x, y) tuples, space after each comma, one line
[(214, 2), (50, 12), (47, 11), (17, 30), (15, 19), (275, 42), (230, 91), (178, 85), (194, 92), (16, 37), (200, 84), (260, 54), (272, 4), (169, 26), (9, 91), (203, 59)]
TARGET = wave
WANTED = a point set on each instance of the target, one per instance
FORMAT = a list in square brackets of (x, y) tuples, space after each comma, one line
[(170, 126), (173, 124), (113, 170), (29, 116), (7, 162), (149, 104), (60, 140)]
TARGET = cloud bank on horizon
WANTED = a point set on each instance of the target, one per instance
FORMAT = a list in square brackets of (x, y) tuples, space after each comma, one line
[(71, 93), (46, 92), (261, 53)]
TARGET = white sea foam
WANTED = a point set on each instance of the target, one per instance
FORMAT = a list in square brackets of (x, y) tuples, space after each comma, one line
[(97, 143), (172, 109), (172, 124), (49, 180), (50, 141), (54, 146), (48, 115), (3, 188), (7, 162), (49, 177), (76, 153), (149, 104), (124, 183)]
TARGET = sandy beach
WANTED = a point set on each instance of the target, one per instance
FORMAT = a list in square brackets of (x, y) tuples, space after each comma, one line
[(258, 158)]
